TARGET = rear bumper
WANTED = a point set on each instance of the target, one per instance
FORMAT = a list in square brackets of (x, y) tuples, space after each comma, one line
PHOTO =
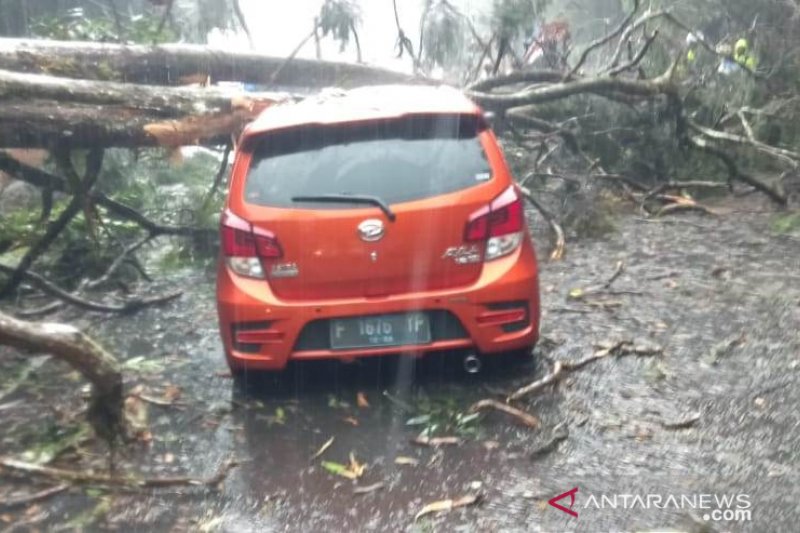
[(247, 303)]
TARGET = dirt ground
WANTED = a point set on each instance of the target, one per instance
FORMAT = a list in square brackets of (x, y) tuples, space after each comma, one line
[(716, 414)]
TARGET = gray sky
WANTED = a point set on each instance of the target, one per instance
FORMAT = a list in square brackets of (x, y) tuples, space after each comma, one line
[(278, 27)]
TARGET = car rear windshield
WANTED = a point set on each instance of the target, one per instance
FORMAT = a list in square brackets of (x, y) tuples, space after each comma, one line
[(396, 160)]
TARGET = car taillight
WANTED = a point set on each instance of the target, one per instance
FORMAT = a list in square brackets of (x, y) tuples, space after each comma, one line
[(244, 246), (501, 224)]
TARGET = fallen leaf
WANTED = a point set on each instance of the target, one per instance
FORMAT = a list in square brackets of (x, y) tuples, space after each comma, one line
[(155, 401), (350, 420), (491, 445), (171, 393), (354, 470), (418, 420), (436, 441), (521, 416), (169, 458), (323, 448), (576, 293), (136, 413), (403, 460), (338, 468), (368, 488), (448, 505), (361, 400), (682, 424), (355, 466)]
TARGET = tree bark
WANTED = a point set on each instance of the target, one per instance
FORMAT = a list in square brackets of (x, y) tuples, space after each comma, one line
[(40, 111), (178, 64), (78, 350), (547, 93)]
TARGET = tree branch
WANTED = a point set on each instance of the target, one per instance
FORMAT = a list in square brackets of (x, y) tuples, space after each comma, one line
[(602, 41), (520, 76), (637, 58), (223, 167), (793, 158), (237, 9), (128, 306), (164, 18), (601, 85), (36, 497), (79, 351), (562, 368), (559, 241), (734, 172), (94, 161), (42, 179), (114, 266), (88, 477)]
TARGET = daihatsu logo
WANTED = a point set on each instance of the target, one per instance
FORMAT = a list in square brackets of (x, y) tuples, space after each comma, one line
[(371, 230)]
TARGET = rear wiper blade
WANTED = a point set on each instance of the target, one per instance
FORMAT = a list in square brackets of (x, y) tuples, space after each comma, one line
[(350, 199)]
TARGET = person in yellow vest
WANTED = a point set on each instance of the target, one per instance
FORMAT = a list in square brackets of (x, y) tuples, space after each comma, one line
[(742, 55), (692, 43)]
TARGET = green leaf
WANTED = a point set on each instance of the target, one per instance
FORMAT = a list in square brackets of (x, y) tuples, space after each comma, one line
[(335, 468), (464, 420), (44, 452), (418, 420)]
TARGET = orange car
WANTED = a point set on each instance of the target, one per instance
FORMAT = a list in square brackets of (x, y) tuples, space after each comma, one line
[(379, 221)]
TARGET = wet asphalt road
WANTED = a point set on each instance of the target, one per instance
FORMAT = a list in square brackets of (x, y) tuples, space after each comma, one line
[(720, 296)]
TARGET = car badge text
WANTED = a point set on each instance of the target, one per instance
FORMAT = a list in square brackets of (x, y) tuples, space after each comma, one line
[(284, 270), (371, 230), (463, 255)]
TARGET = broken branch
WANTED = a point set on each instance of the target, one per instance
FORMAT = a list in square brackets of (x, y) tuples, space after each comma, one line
[(558, 233), (78, 350), (597, 43), (21, 501), (563, 368), (92, 478), (526, 419), (127, 306)]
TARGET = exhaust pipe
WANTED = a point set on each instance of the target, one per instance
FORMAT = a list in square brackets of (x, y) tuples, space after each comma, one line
[(472, 364)]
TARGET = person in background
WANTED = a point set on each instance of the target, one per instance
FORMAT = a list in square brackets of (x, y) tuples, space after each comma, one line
[(742, 55)]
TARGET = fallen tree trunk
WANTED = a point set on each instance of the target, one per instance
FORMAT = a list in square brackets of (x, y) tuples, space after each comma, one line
[(83, 354), (178, 64), (41, 111)]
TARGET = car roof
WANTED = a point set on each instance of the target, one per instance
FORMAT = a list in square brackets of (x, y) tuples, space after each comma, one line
[(364, 103)]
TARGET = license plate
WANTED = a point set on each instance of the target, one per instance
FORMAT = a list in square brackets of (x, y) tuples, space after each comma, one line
[(400, 329)]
